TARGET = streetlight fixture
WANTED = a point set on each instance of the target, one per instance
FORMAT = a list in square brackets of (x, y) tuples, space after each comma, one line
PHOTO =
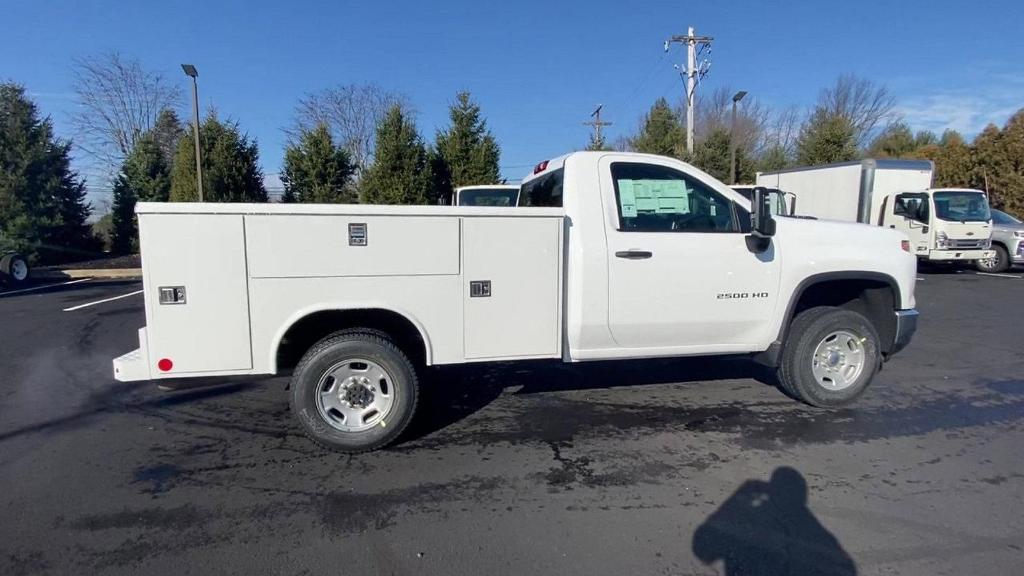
[(732, 137), (191, 71)]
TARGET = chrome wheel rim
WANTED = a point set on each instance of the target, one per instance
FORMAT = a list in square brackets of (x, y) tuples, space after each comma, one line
[(838, 360), (990, 263), (19, 269), (355, 395)]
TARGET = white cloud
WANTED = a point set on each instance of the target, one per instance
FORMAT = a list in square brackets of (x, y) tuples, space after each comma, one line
[(966, 110)]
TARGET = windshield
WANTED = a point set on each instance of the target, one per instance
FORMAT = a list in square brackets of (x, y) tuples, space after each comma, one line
[(489, 197), (1000, 217), (962, 206)]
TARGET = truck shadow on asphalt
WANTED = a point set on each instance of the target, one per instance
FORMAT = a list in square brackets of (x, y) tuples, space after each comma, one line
[(767, 528), (452, 393)]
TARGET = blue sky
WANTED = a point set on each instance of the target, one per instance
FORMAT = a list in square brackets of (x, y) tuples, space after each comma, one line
[(536, 68)]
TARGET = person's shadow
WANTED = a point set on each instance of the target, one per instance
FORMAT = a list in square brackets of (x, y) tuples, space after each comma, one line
[(766, 528)]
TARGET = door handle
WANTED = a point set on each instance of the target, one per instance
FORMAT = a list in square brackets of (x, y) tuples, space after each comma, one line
[(634, 254)]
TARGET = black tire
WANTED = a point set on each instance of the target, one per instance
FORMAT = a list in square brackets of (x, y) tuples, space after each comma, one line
[(14, 269), (355, 344), (811, 327), (1000, 263)]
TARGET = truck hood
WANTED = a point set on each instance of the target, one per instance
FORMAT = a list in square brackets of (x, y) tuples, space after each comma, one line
[(964, 230), (810, 247)]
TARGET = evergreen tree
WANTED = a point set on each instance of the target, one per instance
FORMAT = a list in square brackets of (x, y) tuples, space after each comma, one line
[(712, 155), (42, 201), (999, 163), (466, 152), (144, 177), (773, 158), (400, 173), (166, 132), (596, 143), (318, 171), (897, 141), (661, 132), (231, 171), (826, 138), (953, 161)]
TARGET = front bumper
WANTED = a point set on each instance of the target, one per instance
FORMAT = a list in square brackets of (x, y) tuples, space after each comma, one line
[(906, 325), (951, 255), (1017, 252)]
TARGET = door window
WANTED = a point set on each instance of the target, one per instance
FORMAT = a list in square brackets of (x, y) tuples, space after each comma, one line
[(654, 198), (913, 206)]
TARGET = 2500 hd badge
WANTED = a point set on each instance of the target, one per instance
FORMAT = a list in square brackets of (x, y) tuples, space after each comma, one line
[(737, 295)]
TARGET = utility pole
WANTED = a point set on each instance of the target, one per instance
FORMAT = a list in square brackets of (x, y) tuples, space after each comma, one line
[(695, 47), (597, 124), (190, 71)]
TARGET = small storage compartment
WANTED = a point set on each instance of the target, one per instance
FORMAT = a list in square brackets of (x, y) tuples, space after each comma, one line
[(201, 323), (512, 287), (298, 246)]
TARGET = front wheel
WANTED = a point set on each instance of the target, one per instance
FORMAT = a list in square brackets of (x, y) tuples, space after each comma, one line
[(998, 263), (830, 356), (354, 391), (14, 268)]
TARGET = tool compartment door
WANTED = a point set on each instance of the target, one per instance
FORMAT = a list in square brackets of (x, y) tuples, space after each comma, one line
[(512, 287), (205, 255)]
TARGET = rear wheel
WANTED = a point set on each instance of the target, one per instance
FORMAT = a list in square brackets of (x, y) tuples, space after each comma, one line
[(998, 263), (14, 268), (354, 391), (830, 356)]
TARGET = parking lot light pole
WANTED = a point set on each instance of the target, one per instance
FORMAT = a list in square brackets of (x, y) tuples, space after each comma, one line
[(191, 71), (732, 137)]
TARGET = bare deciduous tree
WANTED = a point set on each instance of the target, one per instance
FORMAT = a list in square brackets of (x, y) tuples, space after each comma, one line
[(119, 101), (714, 112), (862, 103), (351, 111), (783, 129)]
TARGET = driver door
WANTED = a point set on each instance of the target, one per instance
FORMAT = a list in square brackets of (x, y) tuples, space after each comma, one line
[(681, 274), (910, 213)]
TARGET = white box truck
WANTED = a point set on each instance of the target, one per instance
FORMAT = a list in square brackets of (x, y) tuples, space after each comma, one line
[(942, 224), (608, 256)]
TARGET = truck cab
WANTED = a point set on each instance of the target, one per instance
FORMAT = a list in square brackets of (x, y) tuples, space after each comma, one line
[(943, 224)]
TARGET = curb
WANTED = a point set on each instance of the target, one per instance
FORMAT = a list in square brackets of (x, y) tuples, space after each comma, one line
[(59, 274)]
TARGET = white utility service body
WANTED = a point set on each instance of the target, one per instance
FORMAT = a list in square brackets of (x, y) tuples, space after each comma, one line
[(877, 192), (609, 256)]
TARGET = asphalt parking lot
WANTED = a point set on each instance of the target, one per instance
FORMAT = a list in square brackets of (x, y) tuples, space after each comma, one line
[(669, 467)]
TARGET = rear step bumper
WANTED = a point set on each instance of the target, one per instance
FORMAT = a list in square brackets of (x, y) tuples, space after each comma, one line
[(134, 366)]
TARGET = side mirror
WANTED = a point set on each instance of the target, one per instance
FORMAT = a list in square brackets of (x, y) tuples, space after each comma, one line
[(762, 224)]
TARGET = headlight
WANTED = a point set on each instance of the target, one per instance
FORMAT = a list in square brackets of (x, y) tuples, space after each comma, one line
[(940, 240), (987, 244)]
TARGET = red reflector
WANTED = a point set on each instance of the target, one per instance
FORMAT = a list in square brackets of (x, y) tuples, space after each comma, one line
[(905, 244), (165, 364), (540, 167)]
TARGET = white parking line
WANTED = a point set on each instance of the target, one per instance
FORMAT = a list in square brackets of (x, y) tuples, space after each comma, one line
[(23, 290), (80, 306), (998, 275)]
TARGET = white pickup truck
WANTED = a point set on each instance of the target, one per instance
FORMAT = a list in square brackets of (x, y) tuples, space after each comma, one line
[(608, 256)]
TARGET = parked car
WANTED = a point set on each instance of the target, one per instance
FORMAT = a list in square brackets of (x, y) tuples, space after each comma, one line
[(610, 255), (1007, 241), (14, 268)]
